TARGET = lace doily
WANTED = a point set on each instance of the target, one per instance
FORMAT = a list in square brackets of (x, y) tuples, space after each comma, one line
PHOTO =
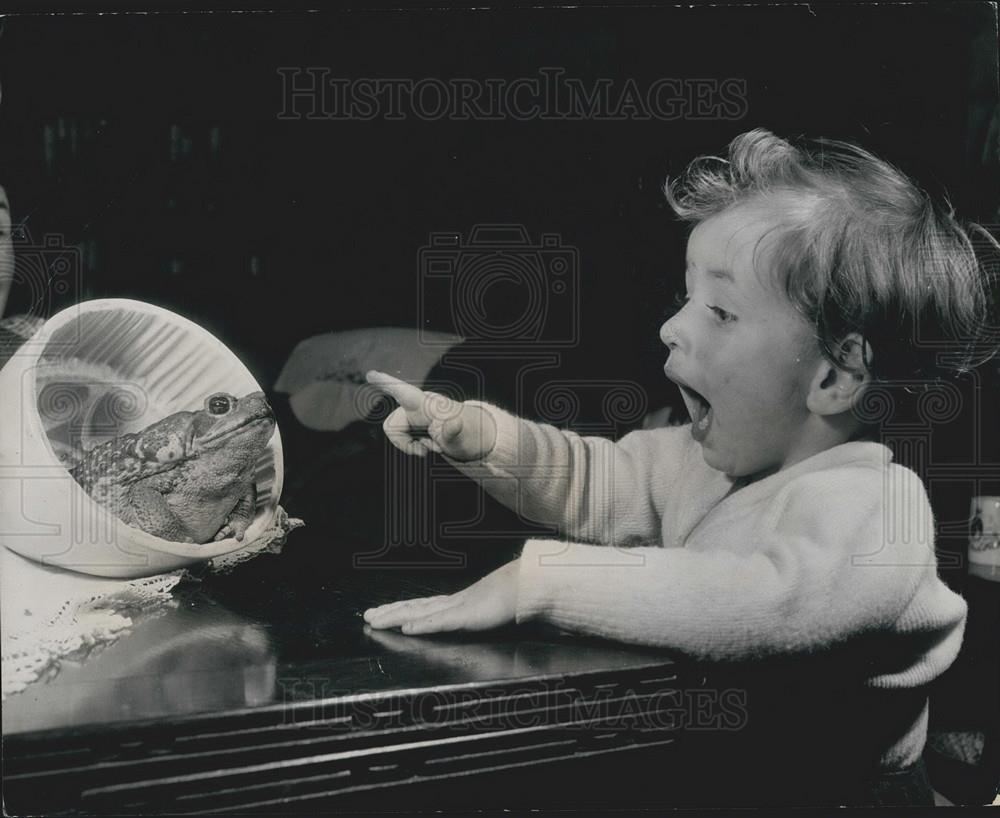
[(270, 541), (49, 614)]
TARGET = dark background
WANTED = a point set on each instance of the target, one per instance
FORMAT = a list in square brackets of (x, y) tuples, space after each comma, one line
[(153, 145)]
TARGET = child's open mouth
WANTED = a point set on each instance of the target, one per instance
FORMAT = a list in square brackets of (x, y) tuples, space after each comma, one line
[(700, 411)]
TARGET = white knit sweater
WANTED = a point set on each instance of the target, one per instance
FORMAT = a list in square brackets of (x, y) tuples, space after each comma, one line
[(836, 546)]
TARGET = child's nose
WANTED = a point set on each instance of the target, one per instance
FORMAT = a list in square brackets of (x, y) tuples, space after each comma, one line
[(668, 334)]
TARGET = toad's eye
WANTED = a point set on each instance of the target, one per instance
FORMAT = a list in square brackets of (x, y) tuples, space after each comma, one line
[(219, 403), (724, 316)]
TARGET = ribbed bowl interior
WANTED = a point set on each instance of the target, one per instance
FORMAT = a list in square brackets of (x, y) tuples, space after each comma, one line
[(115, 366)]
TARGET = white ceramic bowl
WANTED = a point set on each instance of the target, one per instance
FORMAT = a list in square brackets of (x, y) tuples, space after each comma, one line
[(93, 371)]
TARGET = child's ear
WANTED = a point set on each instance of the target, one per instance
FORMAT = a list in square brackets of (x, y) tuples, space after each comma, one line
[(835, 387)]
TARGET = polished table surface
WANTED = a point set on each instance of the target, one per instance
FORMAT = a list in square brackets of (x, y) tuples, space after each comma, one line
[(288, 627), (272, 632), (264, 688)]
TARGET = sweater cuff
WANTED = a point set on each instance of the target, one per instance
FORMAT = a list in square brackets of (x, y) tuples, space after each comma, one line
[(531, 603), (506, 448), (565, 583)]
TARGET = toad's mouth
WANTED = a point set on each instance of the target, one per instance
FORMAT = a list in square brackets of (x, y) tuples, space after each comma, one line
[(700, 410), (229, 432)]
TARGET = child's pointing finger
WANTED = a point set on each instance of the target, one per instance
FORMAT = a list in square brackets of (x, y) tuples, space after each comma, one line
[(420, 406), (409, 396)]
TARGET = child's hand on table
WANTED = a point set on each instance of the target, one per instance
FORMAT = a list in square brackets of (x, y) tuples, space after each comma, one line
[(488, 603), (427, 421)]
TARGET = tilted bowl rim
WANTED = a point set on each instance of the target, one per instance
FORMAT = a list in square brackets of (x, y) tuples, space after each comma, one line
[(190, 551)]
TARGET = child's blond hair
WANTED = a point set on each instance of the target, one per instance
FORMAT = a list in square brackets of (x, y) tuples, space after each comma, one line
[(863, 250)]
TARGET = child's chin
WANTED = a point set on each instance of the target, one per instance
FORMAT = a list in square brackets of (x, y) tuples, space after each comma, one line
[(716, 460), (720, 462)]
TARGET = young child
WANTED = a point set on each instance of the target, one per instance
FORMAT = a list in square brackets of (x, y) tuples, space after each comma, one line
[(773, 524)]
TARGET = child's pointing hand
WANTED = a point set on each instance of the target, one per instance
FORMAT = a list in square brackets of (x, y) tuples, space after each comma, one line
[(488, 603), (460, 430)]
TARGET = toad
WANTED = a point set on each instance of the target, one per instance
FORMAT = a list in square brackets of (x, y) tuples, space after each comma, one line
[(188, 477)]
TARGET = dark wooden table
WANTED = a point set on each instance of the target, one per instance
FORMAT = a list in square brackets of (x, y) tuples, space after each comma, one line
[(264, 689)]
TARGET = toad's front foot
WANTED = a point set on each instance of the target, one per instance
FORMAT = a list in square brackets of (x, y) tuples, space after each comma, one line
[(240, 517), (235, 529)]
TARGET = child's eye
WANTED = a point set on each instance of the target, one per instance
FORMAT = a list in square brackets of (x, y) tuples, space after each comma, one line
[(724, 316), (680, 299)]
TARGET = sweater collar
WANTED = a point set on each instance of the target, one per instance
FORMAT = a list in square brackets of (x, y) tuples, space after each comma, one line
[(853, 453)]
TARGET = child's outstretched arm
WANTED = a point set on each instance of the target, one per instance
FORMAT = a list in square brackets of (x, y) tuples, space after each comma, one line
[(826, 570), (591, 488)]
